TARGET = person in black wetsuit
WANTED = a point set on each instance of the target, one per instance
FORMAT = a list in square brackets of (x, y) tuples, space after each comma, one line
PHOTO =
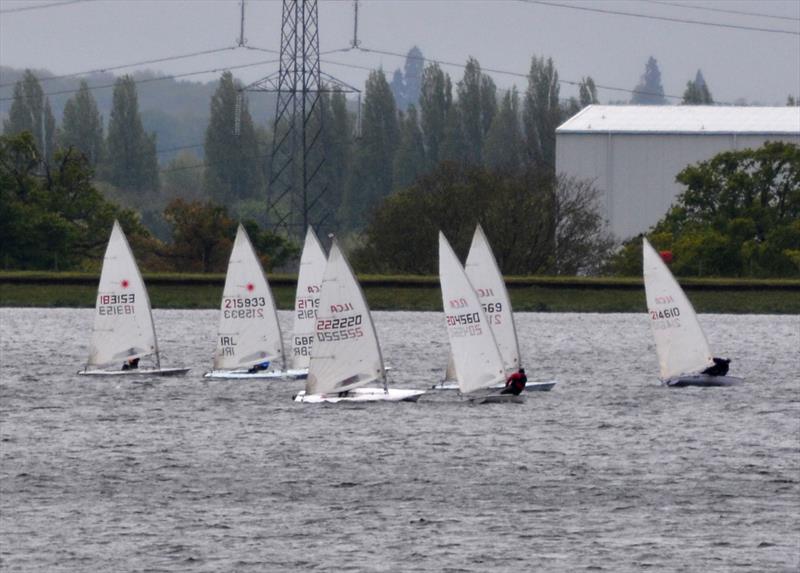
[(720, 367), (131, 364), (516, 383)]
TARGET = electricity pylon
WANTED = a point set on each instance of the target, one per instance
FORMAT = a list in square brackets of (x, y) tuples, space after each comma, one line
[(296, 185)]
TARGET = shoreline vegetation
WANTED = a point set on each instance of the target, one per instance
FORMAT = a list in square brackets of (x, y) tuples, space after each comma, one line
[(420, 293)]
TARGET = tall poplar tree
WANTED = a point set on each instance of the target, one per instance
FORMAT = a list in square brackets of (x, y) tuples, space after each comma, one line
[(82, 126), (696, 92), (469, 102), (231, 147), (541, 113), (587, 92), (406, 84), (649, 90), (30, 111), (409, 160), (338, 144), (131, 162), (454, 145), (412, 75), (504, 142), (371, 178), (436, 97)]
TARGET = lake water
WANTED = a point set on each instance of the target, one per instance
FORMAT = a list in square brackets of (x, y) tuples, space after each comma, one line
[(609, 471)]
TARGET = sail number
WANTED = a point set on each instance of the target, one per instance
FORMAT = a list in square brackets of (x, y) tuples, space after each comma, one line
[(463, 319), (673, 312), (337, 323), (302, 345), (116, 304), (666, 318), (250, 302), (464, 324), (342, 328), (128, 298), (306, 307), (243, 307)]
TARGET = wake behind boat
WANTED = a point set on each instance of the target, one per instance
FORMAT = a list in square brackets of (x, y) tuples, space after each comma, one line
[(684, 356), (346, 355), (477, 362), (249, 340), (123, 332)]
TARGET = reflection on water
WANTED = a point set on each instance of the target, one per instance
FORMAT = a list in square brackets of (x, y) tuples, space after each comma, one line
[(607, 471)]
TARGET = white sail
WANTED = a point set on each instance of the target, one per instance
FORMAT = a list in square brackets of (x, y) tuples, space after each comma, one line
[(680, 341), (477, 360), (248, 331), (346, 353), (306, 301), (484, 274), (123, 324)]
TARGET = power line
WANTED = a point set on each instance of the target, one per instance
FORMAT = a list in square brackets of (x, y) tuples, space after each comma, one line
[(160, 78), (41, 6), (723, 10), (179, 148), (121, 66), (504, 72), (660, 18)]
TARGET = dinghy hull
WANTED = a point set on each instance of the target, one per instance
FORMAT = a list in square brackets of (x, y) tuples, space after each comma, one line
[(702, 380), (497, 399), (158, 372), (264, 374), (529, 387), (362, 395)]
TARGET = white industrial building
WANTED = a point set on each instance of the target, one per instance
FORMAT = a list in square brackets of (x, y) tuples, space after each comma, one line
[(633, 153)]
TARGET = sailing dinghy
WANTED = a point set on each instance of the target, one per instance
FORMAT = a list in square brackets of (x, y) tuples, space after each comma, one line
[(346, 354), (477, 360), (484, 274), (683, 351), (249, 341), (306, 301), (123, 331)]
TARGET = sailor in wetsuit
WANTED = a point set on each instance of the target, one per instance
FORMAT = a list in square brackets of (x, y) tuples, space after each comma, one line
[(516, 383), (131, 364), (258, 367), (720, 367)]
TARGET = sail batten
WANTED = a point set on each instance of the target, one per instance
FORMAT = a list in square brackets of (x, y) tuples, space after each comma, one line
[(123, 322), (477, 360), (681, 344), (346, 353), (248, 332)]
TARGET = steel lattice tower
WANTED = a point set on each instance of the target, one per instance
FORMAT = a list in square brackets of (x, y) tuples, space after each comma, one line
[(296, 187)]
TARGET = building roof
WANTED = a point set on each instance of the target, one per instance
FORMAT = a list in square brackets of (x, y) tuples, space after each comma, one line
[(694, 119)]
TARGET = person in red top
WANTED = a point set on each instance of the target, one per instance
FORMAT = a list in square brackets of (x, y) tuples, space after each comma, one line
[(516, 383)]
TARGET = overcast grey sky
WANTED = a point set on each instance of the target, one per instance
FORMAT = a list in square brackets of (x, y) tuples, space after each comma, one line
[(583, 38)]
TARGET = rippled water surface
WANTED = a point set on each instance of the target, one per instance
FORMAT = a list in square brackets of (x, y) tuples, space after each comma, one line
[(609, 471)]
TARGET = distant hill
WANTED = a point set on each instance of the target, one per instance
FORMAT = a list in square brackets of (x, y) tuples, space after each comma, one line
[(177, 111)]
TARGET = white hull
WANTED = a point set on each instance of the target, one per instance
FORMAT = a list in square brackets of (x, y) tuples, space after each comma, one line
[(362, 395), (703, 380), (137, 372), (300, 374), (529, 387)]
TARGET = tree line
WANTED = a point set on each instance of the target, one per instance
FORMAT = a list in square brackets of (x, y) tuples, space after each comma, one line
[(427, 152)]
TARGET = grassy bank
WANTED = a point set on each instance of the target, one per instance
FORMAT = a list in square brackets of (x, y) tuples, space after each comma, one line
[(553, 294)]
